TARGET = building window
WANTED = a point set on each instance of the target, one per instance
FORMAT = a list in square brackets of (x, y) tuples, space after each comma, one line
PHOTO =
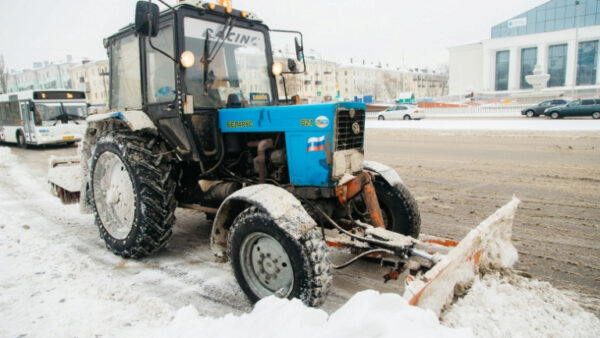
[(528, 61), (502, 62), (587, 61), (557, 65)]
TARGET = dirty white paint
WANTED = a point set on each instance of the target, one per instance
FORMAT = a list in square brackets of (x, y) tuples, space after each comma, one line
[(135, 119), (389, 175), (65, 172), (346, 162), (282, 206)]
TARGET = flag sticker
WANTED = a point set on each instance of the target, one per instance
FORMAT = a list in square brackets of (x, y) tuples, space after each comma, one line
[(316, 144)]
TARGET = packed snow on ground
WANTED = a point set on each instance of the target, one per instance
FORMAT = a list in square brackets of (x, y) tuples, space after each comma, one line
[(57, 279), (538, 310), (489, 124)]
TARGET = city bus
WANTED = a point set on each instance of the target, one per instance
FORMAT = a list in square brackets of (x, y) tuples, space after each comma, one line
[(38, 117)]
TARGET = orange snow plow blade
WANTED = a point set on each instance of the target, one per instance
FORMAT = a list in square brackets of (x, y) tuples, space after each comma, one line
[(489, 244)]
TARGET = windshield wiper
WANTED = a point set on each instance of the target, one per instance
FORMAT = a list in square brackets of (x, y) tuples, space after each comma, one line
[(209, 56), (74, 117), (57, 118)]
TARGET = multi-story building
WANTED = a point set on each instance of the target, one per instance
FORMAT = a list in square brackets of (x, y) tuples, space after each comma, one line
[(92, 78), (46, 76), (316, 84), (326, 81), (561, 36)]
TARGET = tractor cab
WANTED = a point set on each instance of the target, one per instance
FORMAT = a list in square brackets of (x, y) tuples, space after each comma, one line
[(181, 66)]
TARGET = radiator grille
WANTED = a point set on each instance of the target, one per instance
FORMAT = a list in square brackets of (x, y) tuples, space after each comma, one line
[(350, 131)]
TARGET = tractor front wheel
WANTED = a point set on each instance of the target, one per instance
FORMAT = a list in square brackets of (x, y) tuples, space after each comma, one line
[(268, 260), (398, 207)]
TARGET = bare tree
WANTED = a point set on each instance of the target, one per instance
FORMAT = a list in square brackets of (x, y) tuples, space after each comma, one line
[(393, 84), (3, 75)]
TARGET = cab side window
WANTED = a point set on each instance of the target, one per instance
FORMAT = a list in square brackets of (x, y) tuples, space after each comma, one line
[(160, 69), (126, 87)]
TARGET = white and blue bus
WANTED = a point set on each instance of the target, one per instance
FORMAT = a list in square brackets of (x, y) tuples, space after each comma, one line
[(37, 117)]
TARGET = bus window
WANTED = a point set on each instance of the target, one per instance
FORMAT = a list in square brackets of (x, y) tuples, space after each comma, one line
[(47, 113), (76, 110), (13, 114)]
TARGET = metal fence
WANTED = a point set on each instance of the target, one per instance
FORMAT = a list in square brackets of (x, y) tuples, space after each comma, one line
[(490, 110)]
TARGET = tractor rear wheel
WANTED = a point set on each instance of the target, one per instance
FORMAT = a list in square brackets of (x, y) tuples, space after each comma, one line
[(132, 193), (398, 207), (268, 260)]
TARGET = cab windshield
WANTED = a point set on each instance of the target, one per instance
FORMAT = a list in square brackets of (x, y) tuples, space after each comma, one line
[(52, 113), (237, 70)]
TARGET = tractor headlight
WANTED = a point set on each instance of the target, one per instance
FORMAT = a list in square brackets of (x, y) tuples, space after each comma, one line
[(277, 68), (187, 59)]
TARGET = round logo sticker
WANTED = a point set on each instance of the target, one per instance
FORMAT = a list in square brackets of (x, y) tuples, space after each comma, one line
[(322, 121)]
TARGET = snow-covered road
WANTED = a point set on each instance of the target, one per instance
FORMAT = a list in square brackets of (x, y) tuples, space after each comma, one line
[(57, 279), (474, 124)]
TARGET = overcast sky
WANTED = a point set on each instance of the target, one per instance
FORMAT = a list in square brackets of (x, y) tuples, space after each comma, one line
[(397, 32)]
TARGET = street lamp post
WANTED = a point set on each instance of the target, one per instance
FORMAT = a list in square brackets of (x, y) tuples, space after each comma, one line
[(576, 50)]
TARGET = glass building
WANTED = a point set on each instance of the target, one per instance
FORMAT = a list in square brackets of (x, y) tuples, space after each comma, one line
[(552, 16), (561, 37)]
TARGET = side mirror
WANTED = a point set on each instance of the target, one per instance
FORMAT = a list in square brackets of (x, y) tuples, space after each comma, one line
[(146, 18), (292, 65), (299, 49)]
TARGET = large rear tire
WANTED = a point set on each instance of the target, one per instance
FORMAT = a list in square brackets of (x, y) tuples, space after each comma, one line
[(132, 193), (399, 208), (267, 260), (596, 115), (407, 117)]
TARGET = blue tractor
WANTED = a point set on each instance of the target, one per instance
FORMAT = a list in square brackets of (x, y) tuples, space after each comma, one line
[(196, 121)]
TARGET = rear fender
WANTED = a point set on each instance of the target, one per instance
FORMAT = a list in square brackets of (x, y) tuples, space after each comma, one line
[(133, 119), (97, 124), (283, 207), (388, 174)]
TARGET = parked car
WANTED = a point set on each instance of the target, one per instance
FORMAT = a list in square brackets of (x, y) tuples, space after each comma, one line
[(585, 107), (537, 110), (402, 112)]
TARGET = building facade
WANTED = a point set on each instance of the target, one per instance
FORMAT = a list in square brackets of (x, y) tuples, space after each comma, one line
[(46, 76), (328, 81), (561, 36), (93, 79)]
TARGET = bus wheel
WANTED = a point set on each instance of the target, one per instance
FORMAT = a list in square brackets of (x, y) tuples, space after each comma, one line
[(21, 140)]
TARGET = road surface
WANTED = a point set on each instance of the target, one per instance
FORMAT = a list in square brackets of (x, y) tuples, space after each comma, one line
[(458, 178)]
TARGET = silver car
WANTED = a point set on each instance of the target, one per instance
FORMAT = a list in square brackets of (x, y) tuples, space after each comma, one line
[(402, 112)]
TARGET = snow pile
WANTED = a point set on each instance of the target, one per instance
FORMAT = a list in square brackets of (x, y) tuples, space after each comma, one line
[(48, 287), (489, 124), (437, 287), (366, 314), (504, 304)]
